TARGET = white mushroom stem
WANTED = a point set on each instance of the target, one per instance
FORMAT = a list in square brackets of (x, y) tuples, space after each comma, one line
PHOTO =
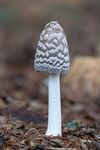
[(54, 106)]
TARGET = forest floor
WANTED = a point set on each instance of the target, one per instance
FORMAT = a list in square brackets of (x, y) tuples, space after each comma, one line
[(23, 116)]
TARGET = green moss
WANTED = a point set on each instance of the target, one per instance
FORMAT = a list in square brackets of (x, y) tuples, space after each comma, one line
[(7, 17)]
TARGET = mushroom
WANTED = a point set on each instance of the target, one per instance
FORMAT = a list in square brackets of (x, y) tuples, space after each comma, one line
[(52, 56)]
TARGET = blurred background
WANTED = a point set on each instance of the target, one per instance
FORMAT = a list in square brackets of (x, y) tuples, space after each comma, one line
[(21, 23)]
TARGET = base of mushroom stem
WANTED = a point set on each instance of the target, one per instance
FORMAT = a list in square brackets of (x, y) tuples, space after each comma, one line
[(53, 133)]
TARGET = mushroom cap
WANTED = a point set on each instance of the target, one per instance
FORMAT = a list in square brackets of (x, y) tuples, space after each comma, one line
[(52, 54)]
